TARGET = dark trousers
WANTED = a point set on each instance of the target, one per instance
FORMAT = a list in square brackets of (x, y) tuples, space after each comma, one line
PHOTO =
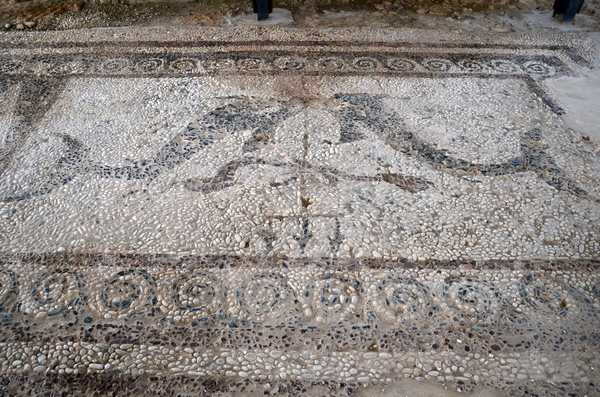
[(568, 8), (263, 8)]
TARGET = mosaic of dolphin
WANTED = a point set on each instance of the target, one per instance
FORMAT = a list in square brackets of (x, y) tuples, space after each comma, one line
[(262, 117)]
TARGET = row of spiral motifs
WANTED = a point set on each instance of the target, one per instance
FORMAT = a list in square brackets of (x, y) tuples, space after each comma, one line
[(298, 295), (191, 64)]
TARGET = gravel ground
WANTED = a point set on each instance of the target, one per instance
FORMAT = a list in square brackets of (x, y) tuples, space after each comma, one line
[(465, 16)]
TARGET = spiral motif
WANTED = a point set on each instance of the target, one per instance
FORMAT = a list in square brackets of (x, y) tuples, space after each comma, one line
[(539, 68), (473, 300), (114, 65), (330, 63), (75, 67), (183, 65), (55, 291), (289, 63), (266, 296), (149, 65), (365, 63), (437, 65), (193, 296), (548, 296), (334, 298), (504, 66), (471, 65), (400, 64), (47, 67), (125, 293), (219, 64), (249, 63), (400, 299), (53, 66)]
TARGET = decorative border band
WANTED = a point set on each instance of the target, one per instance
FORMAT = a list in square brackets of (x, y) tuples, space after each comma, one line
[(237, 293), (333, 63), (332, 322)]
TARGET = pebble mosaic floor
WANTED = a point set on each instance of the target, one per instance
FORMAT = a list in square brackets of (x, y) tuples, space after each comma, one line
[(268, 212)]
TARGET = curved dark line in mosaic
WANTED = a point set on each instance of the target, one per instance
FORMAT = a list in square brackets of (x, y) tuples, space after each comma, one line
[(368, 110), (228, 119), (225, 175), (356, 110)]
